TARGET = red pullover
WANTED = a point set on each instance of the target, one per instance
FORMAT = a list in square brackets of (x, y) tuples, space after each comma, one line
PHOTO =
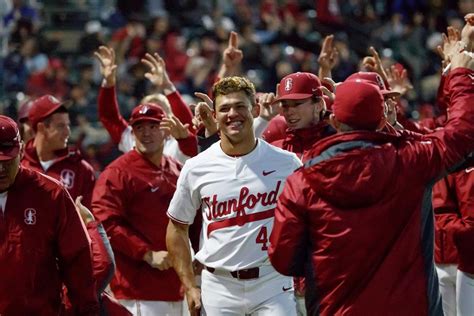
[(43, 244), (130, 199)]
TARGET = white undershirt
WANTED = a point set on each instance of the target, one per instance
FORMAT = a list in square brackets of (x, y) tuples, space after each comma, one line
[(46, 164), (3, 200)]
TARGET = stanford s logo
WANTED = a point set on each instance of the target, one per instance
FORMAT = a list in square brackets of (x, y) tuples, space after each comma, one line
[(67, 178), (288, 84), (30, 216)]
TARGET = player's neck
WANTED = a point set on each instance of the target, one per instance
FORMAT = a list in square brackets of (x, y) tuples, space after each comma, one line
[(44, 152), (154, 158), (242, 148)]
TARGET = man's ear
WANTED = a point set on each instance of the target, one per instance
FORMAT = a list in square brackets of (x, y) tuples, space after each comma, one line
[(256, 110), (40, 127)]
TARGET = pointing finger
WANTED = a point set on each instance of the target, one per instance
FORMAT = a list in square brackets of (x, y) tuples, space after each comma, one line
[(233, 38)]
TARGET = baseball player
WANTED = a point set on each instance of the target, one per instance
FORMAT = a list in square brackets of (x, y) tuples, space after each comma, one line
[(235, 184), (130, 199), (357, 218), (303, 108), (43, 242), (48, 153)]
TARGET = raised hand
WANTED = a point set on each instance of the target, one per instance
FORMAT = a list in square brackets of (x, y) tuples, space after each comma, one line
[(460, 58), (204, 114), (374, 63), (108, 67), (268, 108), (232, 55), (231, 58), (157, 71), (446, 50), (173, 126), (467, 33), (398, 81), (328, 57)]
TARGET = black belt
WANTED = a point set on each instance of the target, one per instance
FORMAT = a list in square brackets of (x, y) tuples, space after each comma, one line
[(245, 274)]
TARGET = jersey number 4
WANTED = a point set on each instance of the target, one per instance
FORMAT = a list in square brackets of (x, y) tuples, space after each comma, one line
[(262, 238)]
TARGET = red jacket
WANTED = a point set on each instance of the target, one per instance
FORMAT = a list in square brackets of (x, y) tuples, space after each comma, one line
[(453, 203), (76, 174), (299, 142), (43, 244), (359, 214), (131, 198)]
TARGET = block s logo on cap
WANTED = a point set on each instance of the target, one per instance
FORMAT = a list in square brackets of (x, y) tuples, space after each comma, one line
[(30, 216), (53, 99), (144, 109), (288, 84)]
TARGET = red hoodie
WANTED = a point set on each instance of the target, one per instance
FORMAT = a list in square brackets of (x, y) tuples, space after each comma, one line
[(43, 244), (357, 221)]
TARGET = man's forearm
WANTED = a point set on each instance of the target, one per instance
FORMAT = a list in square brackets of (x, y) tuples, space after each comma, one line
[(177, 242)]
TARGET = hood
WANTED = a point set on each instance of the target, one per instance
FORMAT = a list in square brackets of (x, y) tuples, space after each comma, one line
[(353, 170)]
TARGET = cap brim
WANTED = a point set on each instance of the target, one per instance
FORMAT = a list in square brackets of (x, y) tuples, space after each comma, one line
[(143, 119), (293, 96), (9, 153)]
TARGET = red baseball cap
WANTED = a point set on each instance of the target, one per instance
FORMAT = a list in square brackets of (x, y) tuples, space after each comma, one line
[(43, 107), (299, 86), (373, 78), (9, 138), (147, 112), (358, 104)]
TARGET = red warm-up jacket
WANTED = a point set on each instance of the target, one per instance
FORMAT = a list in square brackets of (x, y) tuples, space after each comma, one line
[(453, 203), (130, 199), (356, 220), (43, 244)]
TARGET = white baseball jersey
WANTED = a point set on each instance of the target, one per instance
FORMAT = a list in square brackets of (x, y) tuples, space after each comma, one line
[(237, 197)]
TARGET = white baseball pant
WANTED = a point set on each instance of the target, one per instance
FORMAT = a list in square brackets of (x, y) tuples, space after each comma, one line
[(271, 294), (447, 287), (153, 308), (465, 294)]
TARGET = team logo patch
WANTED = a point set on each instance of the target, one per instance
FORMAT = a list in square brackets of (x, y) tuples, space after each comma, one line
[(288, 84), (30, 216), (67, 178), (144, 109)]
